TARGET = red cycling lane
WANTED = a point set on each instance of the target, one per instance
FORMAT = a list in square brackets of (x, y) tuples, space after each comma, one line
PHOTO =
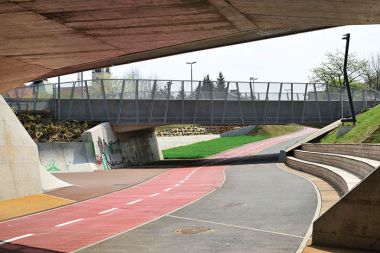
[(71, 227), (256, 147), (78, 225)]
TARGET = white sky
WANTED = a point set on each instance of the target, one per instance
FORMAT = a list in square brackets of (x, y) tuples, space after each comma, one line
[(286, 59)]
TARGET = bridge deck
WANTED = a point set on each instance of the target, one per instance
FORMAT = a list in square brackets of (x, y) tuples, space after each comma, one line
[(155, 102)]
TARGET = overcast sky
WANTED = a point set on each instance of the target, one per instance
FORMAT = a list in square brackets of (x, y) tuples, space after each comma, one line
[(286, 59)]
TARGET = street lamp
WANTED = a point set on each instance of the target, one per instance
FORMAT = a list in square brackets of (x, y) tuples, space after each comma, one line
[(252, 80), (191, 73), (347, 82)]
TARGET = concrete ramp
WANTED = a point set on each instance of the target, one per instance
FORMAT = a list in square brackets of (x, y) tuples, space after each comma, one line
[(50, 182), (20, 168), (66, 157), (240, 131), (317, 134)]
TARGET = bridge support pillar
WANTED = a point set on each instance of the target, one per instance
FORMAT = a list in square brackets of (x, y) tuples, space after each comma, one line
[(119, 146), (20, 168), (139, 147)]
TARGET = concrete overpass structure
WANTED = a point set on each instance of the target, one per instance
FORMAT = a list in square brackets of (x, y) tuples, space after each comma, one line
[(41, 38)]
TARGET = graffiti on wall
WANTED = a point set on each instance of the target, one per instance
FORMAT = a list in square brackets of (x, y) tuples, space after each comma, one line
[(110, 154), (52, 166)]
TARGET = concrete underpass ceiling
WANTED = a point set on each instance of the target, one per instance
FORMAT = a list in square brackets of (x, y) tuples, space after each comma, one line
[(45, 38)]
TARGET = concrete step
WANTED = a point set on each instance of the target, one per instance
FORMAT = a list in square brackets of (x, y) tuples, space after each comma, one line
[(343, 180), (359, 166), (370, 151)]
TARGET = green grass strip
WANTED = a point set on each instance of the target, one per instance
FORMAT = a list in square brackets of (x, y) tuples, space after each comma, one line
[(366, 128), (206, 148)]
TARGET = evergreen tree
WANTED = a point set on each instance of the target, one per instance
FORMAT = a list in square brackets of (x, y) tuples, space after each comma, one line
[(207, 83), (205, 88), (221, 83)]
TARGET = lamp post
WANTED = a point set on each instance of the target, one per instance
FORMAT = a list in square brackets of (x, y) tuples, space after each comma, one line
[(347, 82), (252, 80), (191, 73)]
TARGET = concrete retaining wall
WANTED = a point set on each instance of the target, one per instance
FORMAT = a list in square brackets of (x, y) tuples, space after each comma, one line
[(354, 221), (66, 157), (176, 141), (371, 151), (20, 168)]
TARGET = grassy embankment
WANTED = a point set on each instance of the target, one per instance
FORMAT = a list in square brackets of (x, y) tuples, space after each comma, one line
[(367, 129), (206, 148), (276, 130)]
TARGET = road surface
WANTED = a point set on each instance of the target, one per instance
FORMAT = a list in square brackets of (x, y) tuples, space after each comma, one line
[(249, 207)]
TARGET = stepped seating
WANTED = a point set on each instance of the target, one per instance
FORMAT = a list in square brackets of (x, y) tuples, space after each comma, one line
[(344, 166)]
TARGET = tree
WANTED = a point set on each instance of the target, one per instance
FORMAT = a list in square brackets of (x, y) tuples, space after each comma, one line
[(372, 75), (331, 71), (221, 83), (145, 83), (205, 88), (206, 85)]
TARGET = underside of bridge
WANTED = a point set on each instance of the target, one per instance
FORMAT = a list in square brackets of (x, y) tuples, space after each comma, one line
[(44, 38)]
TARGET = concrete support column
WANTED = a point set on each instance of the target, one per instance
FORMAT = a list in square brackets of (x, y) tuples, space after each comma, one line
[(139, 147), (117, 147)]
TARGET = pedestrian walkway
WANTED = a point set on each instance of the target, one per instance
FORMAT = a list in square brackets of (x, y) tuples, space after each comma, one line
[(29, 204)]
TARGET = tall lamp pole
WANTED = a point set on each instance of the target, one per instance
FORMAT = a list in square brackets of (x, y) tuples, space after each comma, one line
[(191, 73), (346, 81), (252, 80)]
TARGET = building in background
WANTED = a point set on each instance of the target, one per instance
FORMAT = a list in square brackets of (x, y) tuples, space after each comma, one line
[(102, 73)]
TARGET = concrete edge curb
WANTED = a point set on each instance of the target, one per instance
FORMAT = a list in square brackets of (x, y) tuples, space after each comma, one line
[(313, 136)]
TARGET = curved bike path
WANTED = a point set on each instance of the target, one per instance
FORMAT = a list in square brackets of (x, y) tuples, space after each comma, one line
[(76, 226), (259, 208)]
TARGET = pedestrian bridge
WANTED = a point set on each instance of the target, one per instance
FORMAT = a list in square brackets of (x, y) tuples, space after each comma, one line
[(158, 102)]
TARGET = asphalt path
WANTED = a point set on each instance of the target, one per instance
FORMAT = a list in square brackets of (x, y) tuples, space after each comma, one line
[(259, 208)]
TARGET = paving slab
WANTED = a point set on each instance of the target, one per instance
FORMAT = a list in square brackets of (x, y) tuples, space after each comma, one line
[(30, 204)]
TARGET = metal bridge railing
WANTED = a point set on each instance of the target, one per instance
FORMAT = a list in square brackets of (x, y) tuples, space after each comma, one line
[(62, 98)]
